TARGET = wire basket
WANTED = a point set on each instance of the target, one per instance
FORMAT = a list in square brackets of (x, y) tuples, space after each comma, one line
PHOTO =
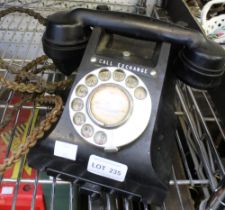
[(197, 168), (214, 27)]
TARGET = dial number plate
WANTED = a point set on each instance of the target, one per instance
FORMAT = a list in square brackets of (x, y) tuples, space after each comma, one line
[(106, 107)]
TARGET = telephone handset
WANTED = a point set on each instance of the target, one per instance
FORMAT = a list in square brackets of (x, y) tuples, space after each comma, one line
[(117, 129), (200, 62)]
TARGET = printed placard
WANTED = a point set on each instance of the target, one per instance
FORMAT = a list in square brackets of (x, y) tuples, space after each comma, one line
[(107, 168), (65, 150)]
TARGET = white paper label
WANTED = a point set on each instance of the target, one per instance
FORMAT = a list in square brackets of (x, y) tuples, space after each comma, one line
[(107, 168), (7, 190), (65, 150)]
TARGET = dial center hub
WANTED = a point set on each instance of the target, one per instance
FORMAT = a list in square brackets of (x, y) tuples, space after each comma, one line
[(110, 105)]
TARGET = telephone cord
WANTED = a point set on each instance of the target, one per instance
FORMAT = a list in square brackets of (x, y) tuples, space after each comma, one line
[(25, 75)]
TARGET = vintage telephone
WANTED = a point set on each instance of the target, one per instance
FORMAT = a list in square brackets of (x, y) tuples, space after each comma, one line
[(116, 132)]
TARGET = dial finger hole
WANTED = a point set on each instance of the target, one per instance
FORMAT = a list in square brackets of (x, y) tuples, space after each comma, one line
[(77, 104), (119, 75), (100, 138), (91, 80), (104, 75), (140, 93), (131, 82), (79, 119), (81, 91), (87, 130)]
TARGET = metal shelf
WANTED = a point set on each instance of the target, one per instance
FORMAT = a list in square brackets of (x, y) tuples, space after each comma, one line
[(198, 167)]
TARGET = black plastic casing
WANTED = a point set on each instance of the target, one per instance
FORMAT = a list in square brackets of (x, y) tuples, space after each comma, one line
[(149, 158)]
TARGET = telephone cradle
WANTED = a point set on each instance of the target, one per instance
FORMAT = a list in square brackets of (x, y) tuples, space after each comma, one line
[(117, 130)]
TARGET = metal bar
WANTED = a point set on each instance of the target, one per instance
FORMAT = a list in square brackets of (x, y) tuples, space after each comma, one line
[(164, 207), (25, 107), (127, 204), (46, 71), (33, 201), (209, 119), (16, 189), (214, 115), (5, 107), (90, 203), (71, 198), (110, 202), (146, 207), (178, 190), (215, 153), (11, 139), (53, 194), (108, 3), (95, 202), (47, 181), (22, 161), (213, 182), (211, 158), (193, 153), (179, 113), (183, 157)]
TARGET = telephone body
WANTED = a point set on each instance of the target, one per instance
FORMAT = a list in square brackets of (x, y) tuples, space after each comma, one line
[(148, 155), (117, 129)]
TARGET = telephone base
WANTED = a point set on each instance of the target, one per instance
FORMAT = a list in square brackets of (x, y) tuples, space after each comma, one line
[(141, 167)]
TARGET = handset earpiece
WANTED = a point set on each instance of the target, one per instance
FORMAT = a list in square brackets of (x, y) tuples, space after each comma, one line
[(201, 67), (64, 41), (200, 62)]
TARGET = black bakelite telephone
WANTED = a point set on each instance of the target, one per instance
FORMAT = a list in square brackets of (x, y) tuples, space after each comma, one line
[(116, 132)]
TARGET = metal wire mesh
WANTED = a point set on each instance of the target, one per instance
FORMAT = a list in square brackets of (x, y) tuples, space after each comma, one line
[(197, 168), (132, 6)]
